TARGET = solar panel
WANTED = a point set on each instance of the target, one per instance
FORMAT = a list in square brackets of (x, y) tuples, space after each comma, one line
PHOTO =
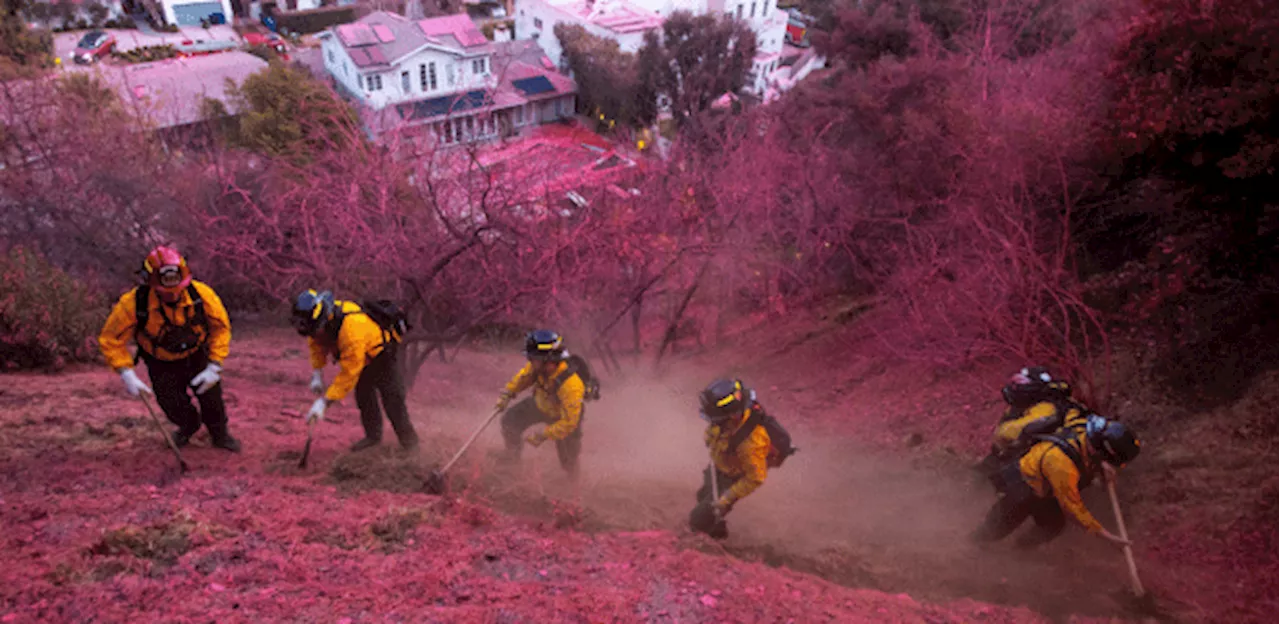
[(366, 56), (534, 85), (449, 104), (353, 35), (384, 33)]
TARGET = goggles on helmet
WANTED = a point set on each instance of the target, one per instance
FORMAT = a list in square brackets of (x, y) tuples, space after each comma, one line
[(169, 276)]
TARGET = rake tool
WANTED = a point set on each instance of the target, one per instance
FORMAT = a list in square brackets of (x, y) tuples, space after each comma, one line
[(437, 483), (1138, 590), (306, 450), (182, 464)]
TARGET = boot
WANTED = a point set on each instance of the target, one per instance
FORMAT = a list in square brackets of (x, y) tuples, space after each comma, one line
[(366, 443), (182, 438), (225, 441), (410, 445)]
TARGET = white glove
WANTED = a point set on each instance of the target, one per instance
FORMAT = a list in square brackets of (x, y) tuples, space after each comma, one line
[(317, 409), (317, 382), (132, 384), (207, 378)]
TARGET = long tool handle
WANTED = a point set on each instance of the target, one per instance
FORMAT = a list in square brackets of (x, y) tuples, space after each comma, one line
[(306, 450), (182, 464), (475, 435), (715, 487), (1128, 552)]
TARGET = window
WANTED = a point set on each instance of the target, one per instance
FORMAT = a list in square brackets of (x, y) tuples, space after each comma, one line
[(739, 11), (405, 83), (470, 124), (448, 131), (329, 52), (753, 9), (422, 76), (374, 82), (360, 81), (764, 11), (477, 67), (431, 75), (448, 70), (520, 115), (537, 23)]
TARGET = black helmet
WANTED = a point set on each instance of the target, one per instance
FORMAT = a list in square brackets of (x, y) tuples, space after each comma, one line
[(1115, 443), (311, 311), (544, 345), (1032, 385), (722, 400)]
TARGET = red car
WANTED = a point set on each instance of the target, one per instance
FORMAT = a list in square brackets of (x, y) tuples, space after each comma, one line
[(93, 46), (270, 40)]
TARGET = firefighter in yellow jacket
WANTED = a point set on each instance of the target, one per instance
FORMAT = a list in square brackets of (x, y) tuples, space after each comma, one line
[(1046, 482), (1038, 404), (741, 458), (183, 334), (557, 401), (366, 355)]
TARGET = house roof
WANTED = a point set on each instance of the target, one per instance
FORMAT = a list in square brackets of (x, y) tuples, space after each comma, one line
[(619, 16), (169, 92), (381, 39)]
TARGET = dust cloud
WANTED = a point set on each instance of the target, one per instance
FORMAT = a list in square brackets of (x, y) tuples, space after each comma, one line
[(838, 510)]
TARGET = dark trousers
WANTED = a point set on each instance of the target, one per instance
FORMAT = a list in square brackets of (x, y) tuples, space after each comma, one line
[(382, 377), (526, 414), (171, 382), (723, 483), (1017, 503)]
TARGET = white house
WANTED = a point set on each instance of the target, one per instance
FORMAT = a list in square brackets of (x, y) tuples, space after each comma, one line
[(443, 78), (626, 21), (619, 20)]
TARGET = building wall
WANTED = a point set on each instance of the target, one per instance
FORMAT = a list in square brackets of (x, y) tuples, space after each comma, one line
[(379, 87), (536, 20)]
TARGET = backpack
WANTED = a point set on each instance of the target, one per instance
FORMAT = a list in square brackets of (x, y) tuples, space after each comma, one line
[(142, 314), (388, 316), (578, 366), (780, 447)]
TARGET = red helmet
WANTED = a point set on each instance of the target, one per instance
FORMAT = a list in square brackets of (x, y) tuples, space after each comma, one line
[(167, 272)]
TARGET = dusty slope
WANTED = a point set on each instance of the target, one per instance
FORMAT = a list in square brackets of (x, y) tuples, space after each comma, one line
[(97, 528), (1201, 502)]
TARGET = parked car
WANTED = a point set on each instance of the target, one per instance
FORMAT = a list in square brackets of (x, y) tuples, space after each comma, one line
[(269, 40), (93, 46)]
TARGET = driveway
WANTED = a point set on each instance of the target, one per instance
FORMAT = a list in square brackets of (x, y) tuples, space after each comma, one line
[(127, 39)]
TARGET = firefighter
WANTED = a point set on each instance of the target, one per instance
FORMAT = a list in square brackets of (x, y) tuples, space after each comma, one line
[(366, 353), (1038, 404), (183, 334), (1046, 482), (741, 439), (557, 401)]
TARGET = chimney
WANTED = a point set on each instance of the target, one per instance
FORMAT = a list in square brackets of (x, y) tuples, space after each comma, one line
[(413, 10)]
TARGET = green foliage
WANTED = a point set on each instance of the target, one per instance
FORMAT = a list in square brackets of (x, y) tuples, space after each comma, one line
[(147, 54), (87, 92), (47, 317), (698, 59), (608, 80), (284, 112), (23, 52), (1196, 85)]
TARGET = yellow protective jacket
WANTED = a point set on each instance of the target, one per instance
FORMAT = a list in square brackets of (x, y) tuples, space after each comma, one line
[(360, 340), (1043, 415), (1051, 472), (748, 463), (121, 327), (563, 403)]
